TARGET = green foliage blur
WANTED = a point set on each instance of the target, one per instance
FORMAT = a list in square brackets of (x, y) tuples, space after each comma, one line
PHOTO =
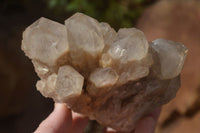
[(118, 13)]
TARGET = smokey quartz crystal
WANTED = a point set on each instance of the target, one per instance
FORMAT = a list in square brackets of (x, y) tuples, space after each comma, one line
[(112, 77)]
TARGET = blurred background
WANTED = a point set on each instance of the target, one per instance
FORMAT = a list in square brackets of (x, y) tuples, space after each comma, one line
[(22, 107)]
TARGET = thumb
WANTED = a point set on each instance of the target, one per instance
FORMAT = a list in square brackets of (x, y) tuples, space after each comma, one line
[(59, 121)]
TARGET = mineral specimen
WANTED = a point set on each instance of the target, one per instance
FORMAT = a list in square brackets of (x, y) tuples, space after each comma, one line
[(112, 77)]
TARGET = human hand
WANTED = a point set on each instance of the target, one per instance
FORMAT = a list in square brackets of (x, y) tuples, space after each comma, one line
[(63, 120)]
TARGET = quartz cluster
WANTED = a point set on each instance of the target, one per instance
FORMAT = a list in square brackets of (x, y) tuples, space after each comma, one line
[(112, 77)]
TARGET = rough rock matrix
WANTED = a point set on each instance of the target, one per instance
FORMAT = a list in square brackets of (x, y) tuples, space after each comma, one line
[(112, 77)]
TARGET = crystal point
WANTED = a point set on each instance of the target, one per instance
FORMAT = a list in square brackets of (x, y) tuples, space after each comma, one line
[(171, 56), (69, 83), (45, 40)]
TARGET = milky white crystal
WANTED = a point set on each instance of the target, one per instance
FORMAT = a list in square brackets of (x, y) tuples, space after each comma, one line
[(130, 45), (45, 40), (69, 83), (102, 78), (172, 56), (90, 43)]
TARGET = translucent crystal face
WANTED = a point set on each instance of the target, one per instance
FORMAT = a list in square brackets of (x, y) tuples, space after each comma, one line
[(45, 40), (172, 56), (69, 83), (130, 45), (104, 77), (109, 34), (112, 77), (88, 31)]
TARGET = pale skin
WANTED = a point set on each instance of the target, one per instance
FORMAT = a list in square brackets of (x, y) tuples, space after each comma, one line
[(63, 120)]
